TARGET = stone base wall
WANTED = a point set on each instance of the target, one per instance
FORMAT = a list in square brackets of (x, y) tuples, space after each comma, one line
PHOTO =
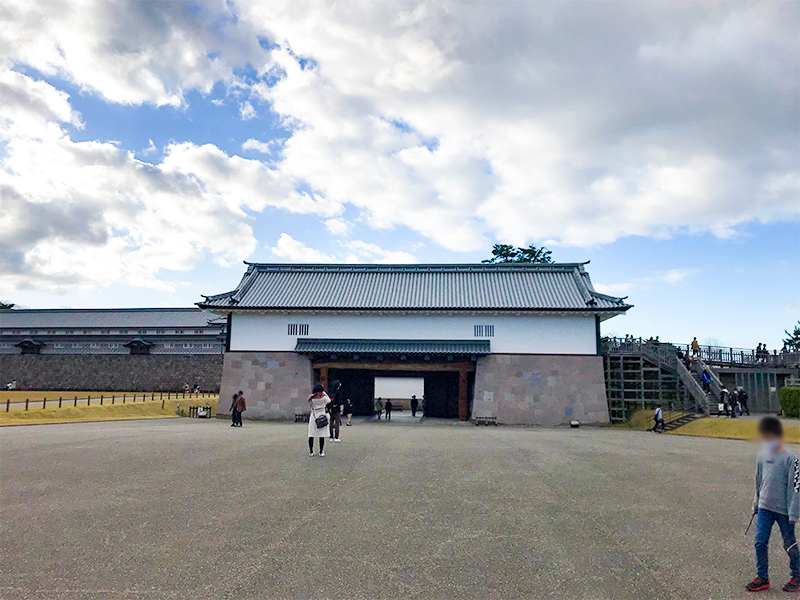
[(110, 372), (275, 384), (548, 390)]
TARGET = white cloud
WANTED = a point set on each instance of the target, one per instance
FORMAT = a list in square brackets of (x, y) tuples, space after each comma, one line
[(338, 227), (257, 146), (90, 214), (464, 122), (655, 279), (246, 111), (578, 138), (353, 252), (127, 51)]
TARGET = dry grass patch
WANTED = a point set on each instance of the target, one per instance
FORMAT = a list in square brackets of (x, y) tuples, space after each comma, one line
[(735, 429), (107, 412)]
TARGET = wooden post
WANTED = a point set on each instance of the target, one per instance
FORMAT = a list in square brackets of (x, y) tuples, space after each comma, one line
[(8, 404), (463, 398), (123, 398), (75, 403), (162, 403), (44, 402), (26, 404), (161, 395), (112, 399), (88, 400), (59, 402), (101, 399), (323, 377)]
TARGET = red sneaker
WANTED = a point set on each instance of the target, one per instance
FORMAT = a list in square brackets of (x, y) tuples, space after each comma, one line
[(792, 586), (759, 584)]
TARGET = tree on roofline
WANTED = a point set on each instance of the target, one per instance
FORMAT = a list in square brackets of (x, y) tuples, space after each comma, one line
[(506, 253), (793, 341)]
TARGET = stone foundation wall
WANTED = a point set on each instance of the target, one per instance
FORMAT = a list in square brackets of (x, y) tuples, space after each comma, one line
[(548, 390), (275, 384), (110, 372)]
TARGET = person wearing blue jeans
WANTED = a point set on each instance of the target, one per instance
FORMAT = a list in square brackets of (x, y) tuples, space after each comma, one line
[(777, 500)]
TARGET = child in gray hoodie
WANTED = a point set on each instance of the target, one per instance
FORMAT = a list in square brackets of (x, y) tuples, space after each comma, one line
[(777, 500)]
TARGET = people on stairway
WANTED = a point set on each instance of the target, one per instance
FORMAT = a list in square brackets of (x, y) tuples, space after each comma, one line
[(695, 347), (705, 379)]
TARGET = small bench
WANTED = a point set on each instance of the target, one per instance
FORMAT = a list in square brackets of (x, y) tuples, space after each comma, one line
[(200, 412), (485, 421)]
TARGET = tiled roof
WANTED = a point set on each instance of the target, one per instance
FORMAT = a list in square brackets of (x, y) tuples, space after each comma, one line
[(308, 345), (122, 318), (510, 286)]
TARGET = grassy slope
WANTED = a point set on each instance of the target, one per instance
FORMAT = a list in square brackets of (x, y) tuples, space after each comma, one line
[(735, 429), (107, 412)]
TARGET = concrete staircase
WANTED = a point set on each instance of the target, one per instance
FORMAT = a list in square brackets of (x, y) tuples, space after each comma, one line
[(680, 421)]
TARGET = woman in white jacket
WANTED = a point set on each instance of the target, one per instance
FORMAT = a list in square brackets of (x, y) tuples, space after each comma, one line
[(317, 401)]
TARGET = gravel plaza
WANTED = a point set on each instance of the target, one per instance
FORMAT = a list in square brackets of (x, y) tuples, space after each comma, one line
[(181, 508)]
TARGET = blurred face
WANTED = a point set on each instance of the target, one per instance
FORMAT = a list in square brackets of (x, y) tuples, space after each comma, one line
[(770, 441)]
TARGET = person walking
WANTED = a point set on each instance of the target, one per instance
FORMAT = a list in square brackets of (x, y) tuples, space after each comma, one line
[(414, 406), (317, 401), (706, 379), (241, 406), (725, 400), (335, 407), (743, 401), (776, 501), (695, 347), (659, 419), (235, 410), (378, 408), (388, 407), (348, 410)]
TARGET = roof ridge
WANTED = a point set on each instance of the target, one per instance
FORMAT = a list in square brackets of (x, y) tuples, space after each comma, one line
[(399, 267), (53, 310)]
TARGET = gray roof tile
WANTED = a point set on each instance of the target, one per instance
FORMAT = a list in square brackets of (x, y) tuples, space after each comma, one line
[(90, 318), (436, 347), (510, 286)]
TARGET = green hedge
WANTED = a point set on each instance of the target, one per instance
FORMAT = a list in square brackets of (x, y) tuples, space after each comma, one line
[(790, 401)]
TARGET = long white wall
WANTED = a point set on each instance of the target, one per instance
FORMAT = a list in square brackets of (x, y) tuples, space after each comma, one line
[(512, 334)]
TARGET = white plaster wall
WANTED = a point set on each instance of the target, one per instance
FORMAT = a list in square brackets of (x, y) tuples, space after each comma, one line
[(512, 334)]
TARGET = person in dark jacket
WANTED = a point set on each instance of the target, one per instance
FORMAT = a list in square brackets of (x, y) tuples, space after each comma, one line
[(743, 401), (234, 415), (706, 379), (388, 408), (348, 410), (725, 399), (238, 406), (335, 409), (414, 406)]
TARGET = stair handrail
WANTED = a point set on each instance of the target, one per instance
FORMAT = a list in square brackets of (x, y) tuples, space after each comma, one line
[(695, 389), (698, 366)]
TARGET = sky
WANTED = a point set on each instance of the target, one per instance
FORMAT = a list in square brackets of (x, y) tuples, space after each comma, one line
[(148, 148)]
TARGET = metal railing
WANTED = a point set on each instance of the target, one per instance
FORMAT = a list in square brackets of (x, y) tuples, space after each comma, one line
[(708, 354), (715, 385), (62, 401), (694, 389)]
